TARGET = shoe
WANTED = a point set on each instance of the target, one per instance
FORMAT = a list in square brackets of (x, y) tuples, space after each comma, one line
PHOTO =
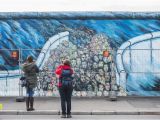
[(63, 116), (69, 116), (32, 109)]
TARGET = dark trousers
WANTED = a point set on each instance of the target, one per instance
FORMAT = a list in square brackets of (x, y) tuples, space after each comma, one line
[(29, 99), (65, 94)]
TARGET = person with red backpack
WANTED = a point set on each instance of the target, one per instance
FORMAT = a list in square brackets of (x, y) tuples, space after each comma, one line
[(64, 73)]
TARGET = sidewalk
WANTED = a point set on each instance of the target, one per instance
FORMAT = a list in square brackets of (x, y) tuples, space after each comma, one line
[(85, 106)]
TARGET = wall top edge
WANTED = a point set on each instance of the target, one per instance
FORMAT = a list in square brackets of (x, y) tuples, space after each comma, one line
[(80, 15)]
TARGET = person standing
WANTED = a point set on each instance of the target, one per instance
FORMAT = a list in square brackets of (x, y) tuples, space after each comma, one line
[(64, 73), (30, 70)]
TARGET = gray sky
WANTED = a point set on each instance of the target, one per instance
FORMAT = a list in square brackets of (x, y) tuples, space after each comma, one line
[(78, 5)]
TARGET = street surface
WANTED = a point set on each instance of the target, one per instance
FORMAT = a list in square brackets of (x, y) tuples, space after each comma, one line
[(80, 117)]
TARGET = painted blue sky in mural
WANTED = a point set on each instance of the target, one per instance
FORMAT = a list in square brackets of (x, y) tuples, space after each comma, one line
[(33, 33), (118, 30)]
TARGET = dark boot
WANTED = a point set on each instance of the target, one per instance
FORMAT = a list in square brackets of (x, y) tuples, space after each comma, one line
[(63, 116), (27, 103), (31, 103), (69, 116)]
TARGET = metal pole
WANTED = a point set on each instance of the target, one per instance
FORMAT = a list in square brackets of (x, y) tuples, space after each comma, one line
[(151, 48), (20, 63), (113, 85), (20, 98)]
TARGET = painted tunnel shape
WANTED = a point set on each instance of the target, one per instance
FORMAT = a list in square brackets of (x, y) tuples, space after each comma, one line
[(138, 55)]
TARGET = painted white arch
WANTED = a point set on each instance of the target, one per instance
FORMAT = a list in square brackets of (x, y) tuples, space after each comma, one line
[(121, 76), (44, 54), (52, 43)]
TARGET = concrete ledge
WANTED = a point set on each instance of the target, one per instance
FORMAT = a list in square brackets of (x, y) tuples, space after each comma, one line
[(39, 112), (80, 15), (56, 112), (81, 113), (149, 113), (103, 113), (127, 113), (8, 112)]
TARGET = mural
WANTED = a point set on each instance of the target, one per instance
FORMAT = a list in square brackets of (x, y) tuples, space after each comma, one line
[(92, 70), (83, 42)]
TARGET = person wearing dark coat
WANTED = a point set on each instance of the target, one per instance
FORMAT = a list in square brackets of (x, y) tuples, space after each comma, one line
[(30, 70)]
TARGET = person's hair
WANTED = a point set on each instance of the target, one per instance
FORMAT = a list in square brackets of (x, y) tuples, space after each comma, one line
[(30, 59), (66, 62)]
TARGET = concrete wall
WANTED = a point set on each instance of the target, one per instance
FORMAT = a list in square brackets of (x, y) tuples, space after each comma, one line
[(82, 37)]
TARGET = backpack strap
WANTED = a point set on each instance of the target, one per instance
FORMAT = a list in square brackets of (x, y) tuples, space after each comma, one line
[(66, 76)]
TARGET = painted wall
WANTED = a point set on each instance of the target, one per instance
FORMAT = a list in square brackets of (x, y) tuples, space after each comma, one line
[(86, 39)]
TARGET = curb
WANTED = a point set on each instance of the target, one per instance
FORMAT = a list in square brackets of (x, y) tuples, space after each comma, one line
[(24, 112), (54, 112)]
